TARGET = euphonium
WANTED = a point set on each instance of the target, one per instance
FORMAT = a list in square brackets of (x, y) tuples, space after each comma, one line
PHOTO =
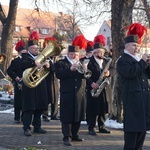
[(33, 76)]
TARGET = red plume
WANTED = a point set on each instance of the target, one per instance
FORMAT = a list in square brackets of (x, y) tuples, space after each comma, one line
[(90, 43), (80, 41), (136, 29), (19, 45), (47, 39), (34, 36), (100, 39)]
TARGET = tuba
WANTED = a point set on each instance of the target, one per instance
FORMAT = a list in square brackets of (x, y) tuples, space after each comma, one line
[(33, 76), (102, 81)]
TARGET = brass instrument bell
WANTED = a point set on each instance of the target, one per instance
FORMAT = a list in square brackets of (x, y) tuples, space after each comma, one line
[(2, 58)]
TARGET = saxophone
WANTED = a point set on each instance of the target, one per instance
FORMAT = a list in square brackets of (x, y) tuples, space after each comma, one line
[(33, 76), (102, 81)]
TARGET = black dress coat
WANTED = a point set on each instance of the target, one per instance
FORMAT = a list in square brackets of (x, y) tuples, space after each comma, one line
[(14, 70), (95, 106), (52, 84), (72, 101), (135, 93), (33, 98)]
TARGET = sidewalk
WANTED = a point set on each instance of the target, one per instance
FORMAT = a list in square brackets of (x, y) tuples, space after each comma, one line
[(12, 138)]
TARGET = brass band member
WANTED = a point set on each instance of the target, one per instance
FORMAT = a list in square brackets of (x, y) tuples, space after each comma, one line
[(35, 99), (89, 53), (72, 101), (134, 72), (52, 86), (15, 72), (96, 107)]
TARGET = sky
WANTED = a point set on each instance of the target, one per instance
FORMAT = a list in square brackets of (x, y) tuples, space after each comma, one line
[(89, 32)]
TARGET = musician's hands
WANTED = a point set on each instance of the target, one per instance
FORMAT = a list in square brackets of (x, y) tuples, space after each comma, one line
[(38, 64), (17, 79), (146, 57), (107, 73), (47, 64), (94, 85), (73, 67)]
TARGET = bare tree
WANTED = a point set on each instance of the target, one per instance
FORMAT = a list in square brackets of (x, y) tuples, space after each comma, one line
[(147, 9), (121, 11), (8, 30)]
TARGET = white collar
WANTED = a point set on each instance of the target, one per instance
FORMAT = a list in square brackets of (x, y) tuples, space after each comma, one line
[(99, 61), (72, 61), (34, 57), (136, 57)]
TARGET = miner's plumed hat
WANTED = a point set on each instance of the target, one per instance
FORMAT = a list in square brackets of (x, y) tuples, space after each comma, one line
[(135, 32), (90, 46), (131, 38), (33, 38), (47, 41), (20, 45), (72, 48), (80, 41), (99, 41)]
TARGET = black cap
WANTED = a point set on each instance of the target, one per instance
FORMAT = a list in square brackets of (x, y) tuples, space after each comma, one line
[(72, 48), (32, 42), (89, 49), (21, 48), (131, 38), (98, 45)]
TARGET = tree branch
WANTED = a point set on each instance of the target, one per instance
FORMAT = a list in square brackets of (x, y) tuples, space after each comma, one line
[(3, 17)]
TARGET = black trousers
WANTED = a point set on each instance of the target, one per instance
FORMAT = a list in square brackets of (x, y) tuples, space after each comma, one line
[(70, 129), (18, 114), (134, 140), (32, 117), (92, 121)]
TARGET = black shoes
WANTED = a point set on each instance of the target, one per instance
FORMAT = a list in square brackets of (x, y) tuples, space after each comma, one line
[(77, 139), (27, 132), (17, 121), (92, 132), (55, 118), (39, 130), (104, 130), (46, 119), (67, 142)]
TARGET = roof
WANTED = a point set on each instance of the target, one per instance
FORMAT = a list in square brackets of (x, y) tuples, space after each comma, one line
[(31, 19), (108, 22)]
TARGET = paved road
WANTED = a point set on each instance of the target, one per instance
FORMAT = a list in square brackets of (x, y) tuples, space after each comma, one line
[(12, 138)]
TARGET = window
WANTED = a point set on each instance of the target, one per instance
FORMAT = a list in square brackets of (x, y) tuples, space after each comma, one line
[(62, 32), (45, 31), (18, 28)]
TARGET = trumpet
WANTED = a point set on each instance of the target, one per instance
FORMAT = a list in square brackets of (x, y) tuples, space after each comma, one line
[(82, 68)]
